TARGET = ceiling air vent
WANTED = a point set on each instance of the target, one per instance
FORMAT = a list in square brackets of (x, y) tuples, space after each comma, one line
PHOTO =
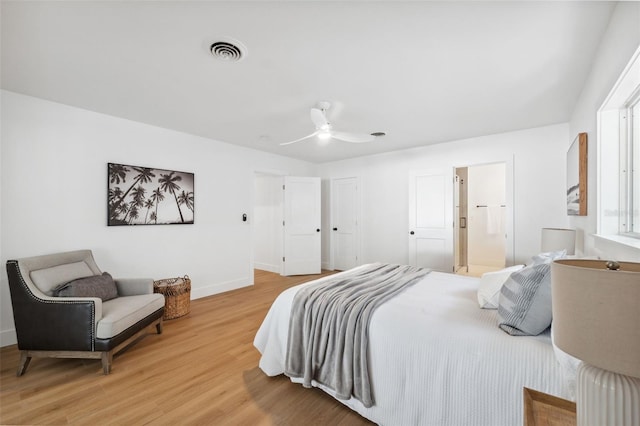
[(228, 50)]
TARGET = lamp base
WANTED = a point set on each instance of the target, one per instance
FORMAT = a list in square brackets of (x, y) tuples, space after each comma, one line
[(605, 398)]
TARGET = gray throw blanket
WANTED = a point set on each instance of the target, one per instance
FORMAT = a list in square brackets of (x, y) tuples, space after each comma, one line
[(329, 327)]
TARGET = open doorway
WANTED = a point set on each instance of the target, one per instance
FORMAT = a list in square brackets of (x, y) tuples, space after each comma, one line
[(344, 212), (480, 213), (267, 221), (286, 224)]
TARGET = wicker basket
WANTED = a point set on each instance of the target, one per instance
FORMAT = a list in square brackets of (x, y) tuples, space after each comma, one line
[(177, 295)]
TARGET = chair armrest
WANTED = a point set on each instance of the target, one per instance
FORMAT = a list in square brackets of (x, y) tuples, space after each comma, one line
[(77, 301), (59, 323), (134, 286), (51, 323), (97, 304)]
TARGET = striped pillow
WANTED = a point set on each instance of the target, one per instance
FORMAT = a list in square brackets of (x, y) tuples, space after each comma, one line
[(525, 301)]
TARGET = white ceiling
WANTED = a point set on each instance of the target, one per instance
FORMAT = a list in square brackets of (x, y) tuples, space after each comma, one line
[(424, 72)]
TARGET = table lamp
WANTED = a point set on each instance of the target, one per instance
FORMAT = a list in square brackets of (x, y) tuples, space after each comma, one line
[(596, 318), (556, 239)]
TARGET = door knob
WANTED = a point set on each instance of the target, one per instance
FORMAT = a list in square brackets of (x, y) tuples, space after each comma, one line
[(335, 229), (318, 230), (411, 232)]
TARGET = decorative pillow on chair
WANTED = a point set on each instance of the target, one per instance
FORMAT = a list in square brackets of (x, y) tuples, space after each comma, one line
[(525, 298), (101, 286), (490, 285)]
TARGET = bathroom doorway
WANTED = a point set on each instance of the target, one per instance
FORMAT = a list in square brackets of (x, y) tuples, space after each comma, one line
[(480, 218)]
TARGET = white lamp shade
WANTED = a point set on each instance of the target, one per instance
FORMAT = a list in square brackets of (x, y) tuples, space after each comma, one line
[(596, 313), (555, 239)]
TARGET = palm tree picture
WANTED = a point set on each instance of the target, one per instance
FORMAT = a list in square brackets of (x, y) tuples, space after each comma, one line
[(148, 196)]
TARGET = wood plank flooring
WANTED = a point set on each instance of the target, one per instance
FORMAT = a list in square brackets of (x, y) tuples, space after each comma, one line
[(202, 370)]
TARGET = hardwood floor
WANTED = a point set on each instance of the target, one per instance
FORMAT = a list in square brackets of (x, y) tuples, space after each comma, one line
[(203, 369)]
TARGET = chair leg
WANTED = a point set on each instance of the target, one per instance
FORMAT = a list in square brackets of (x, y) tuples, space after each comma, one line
[(25, 359), (159, 326), (107, 358)]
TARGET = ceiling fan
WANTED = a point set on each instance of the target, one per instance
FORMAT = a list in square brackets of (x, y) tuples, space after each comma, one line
[(325, 131)]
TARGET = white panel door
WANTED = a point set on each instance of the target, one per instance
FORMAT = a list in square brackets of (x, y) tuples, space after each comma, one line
[(344, 223), (431, 219), (302, 242)]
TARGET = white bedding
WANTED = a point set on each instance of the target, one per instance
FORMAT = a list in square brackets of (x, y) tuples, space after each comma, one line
[(436, 358)]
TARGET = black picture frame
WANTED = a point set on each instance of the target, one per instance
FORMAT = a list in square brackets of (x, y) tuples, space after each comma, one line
[(138, 195)]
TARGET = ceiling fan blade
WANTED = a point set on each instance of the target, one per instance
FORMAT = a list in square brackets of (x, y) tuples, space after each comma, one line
[(301, 139), (319, 118), (352, 137)]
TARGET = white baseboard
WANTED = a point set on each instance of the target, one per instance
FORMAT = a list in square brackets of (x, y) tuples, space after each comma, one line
[(8, 337), (197, 293), (326, 265), (266, 267)]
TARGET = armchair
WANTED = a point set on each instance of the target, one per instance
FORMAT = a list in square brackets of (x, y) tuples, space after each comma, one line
[(76, 327)]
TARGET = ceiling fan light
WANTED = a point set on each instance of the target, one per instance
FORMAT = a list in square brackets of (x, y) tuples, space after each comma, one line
[(324, 135)]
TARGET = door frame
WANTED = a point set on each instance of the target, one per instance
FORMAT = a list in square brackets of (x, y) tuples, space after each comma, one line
[(331, 202), (458, 188)]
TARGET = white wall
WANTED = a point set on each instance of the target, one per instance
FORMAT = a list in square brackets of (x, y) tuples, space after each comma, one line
[(618, 44), (54, 183), (538, 176)]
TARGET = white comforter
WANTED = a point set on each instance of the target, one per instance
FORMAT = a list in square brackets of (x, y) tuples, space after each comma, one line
[(436, 358)]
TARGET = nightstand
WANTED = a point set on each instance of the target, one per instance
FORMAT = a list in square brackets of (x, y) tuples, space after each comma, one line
[(548, 410)]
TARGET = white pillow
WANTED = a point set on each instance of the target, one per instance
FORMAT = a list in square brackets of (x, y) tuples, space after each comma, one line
[(548, 257), (490, 285)]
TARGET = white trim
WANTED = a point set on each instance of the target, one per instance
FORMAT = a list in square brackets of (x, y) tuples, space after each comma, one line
[(267, 267), (621, 239), (611, 97), (210, 290)]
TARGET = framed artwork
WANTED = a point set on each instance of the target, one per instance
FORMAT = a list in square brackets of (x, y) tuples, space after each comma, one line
[(577, 176), (147, 196)]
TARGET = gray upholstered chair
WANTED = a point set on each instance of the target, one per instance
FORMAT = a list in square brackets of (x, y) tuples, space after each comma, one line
[(76, 327)]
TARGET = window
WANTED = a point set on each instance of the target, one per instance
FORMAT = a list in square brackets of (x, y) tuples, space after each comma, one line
[(619, 159), (631, 174)]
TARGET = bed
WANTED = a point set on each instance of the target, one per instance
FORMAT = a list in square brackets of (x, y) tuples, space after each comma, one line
[(435, 357)]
